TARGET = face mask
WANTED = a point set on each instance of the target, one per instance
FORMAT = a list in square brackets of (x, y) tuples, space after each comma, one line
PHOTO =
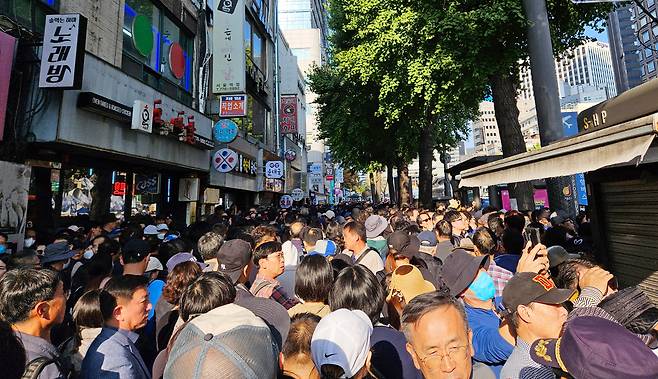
[(29, 242), (483, 287), (3, 249), (88, 254), (161, 235)]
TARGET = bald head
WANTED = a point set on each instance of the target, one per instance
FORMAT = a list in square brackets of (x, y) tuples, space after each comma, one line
[(296, 228)]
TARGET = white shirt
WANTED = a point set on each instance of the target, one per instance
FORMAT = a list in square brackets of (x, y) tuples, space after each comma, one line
[(371, 260)]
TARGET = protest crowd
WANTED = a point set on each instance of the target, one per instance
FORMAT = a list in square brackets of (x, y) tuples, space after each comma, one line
[(357, 290)]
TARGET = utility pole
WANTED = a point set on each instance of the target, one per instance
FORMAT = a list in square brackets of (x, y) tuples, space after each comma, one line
[(547, 96)]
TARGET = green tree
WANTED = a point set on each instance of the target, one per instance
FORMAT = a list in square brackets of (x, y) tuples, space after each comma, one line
[(489, 38)]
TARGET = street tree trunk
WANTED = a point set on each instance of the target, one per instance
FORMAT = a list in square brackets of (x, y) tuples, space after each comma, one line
[(391, 183), (507, 117), (100, 195), (373, 189), (425, 158), (403, 184)]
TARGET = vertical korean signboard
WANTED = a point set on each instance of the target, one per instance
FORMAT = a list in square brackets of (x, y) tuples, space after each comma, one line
[(63, 55), (7, 48), (228, 73), (288, 118)]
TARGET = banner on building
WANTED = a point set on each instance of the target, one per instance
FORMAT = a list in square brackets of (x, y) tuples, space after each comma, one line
[(63, 54), (232, 105), (13, 209), (288, 117), (7, 51), (147, 184), (229, 62)]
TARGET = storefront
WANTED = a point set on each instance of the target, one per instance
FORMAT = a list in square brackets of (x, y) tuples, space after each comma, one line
[(91, 156), (616, 149)]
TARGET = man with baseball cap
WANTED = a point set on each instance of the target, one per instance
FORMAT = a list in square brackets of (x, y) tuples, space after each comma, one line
[(535, 311), (234, 261)]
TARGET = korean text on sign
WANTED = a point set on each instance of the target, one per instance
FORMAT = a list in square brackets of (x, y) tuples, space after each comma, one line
[(63, 51)]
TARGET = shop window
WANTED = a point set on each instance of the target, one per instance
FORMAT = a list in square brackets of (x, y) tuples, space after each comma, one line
[(156, 50), (76, 191)]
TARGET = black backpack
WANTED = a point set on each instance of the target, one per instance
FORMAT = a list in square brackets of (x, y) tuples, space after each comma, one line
[(34, 368)]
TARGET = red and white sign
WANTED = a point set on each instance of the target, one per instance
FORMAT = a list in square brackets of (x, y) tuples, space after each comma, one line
[(7, 49), (288, 117), (232, 105)]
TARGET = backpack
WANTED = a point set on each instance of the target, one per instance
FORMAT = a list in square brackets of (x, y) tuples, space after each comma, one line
[(364, 255), (34, 368), (434, 267)]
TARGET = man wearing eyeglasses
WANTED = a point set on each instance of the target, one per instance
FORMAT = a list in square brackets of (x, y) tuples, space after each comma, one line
[(439, 339), (424, 220)]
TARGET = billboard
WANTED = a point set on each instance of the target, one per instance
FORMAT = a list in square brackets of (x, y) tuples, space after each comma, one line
[(288, 115), (229, 62)]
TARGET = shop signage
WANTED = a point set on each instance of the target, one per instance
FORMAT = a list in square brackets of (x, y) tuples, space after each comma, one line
[(288, 118), (273, 185), (274, 169), (147, 184), (233, 105), (142, 116), (106, 107), (285, 202), (247, 165), (340, 174), (297, 194), (119, 188), (203, 143), (225, 160), (316, 183), (188, 189), (290, 155), (330, 178), (7, 50), (315, 168), (225, 131), (63, 54), (330, 170), (229, 61)]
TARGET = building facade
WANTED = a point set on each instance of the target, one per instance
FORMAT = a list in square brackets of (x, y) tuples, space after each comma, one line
[(633, 36), (588, 64), (485, 131)]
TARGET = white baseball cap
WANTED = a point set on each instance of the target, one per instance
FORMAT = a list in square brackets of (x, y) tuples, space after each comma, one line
[(329, 214), (342, 338), (162, 227), (154, 264), (150, 230)]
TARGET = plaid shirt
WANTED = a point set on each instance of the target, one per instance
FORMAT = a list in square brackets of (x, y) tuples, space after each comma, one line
[(263, 287), (500, 276)]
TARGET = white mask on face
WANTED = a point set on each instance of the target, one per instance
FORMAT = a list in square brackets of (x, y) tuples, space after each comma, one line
[(29, 242), (88, 254)]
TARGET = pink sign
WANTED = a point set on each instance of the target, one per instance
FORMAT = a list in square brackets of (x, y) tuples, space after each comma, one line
[(540, 196), (7, 49)]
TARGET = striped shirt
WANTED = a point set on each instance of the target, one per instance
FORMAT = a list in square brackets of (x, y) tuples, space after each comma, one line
[(520, 366)]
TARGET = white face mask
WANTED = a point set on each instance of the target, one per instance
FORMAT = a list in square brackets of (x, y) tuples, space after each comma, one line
[(29, 242), (88, 254)]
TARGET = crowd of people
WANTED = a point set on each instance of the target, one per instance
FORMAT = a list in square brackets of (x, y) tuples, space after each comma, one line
[(355, 291)]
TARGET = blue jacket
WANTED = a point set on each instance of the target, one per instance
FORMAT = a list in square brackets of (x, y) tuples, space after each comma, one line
[(490, 347), (113, 355)]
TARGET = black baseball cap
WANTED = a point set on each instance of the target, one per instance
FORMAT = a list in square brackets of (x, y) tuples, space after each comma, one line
[(460, 270), (528, 287), (232, 257), (400, 241), (135, 250)]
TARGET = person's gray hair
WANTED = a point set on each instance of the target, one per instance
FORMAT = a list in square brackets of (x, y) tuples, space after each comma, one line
[(420, 305)]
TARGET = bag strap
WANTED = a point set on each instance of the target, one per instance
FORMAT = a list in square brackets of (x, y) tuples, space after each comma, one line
[(259, 287), (34, 368), (364, 255)]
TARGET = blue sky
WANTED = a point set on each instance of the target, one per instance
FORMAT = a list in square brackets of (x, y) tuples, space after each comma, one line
[(603, 37)]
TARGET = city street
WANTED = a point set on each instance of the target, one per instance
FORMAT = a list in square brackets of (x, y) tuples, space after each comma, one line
[(328, 189)]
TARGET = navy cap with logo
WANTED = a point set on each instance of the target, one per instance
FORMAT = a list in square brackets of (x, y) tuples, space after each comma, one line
[(232, 258), (528, 287), (593, 347), (135, 250)]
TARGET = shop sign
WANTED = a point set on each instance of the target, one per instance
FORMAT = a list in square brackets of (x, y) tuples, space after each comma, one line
[(285, 202), (274, 169), (288, 118), (290, 155), (330, 178), (104, 106), (273, 185), (119, 189), (63, 54), (315, 168), (225, 160), (147, 184), (229, 60), (297, 194), (142, 116), (340, 175), (203, 143), (233, 105), (247, 165), (316, 182), (188, 189), (330, 170), (7, 50), (225, 131)]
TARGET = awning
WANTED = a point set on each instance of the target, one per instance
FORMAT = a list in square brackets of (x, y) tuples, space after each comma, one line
[(588, 152)]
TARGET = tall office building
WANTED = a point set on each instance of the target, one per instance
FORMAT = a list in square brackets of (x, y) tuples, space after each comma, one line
[(589, 64), (304, 26), (634, 44), (485, 131)]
